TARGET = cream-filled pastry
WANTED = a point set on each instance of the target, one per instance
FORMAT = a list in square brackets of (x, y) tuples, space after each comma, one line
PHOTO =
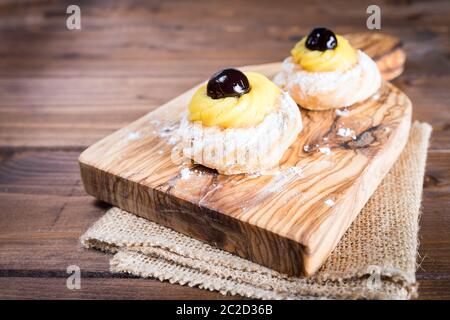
[(239, 123), (324, 72)]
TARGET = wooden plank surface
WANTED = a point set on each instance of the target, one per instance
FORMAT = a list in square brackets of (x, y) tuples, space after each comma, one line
[(62, 90)]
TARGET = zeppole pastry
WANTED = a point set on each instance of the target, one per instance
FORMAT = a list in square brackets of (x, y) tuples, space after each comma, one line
[(239, 123), (324, 72)]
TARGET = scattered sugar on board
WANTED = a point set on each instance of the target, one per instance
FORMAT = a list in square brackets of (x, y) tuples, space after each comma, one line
[(172, 140), (185, 173), (254, 175), (278, 183), (325, 150), (295, 170), (342, 113), (133, 136), (344, 132), (155, 122), (329, 202), (167, 131)]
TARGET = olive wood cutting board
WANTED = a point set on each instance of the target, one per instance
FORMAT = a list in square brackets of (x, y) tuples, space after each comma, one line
[(289, 220)]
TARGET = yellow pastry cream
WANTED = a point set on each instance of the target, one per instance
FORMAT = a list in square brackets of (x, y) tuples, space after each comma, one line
[(239, 111), (340, 56)]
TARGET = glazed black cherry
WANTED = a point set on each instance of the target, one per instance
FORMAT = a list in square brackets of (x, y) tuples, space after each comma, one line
[(321, 39), (227, 83)]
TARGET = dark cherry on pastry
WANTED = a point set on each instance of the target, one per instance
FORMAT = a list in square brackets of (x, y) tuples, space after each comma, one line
[(227, 83), (321, 39)]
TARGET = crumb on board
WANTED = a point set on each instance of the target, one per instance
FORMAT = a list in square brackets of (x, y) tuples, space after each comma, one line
[(329, 202)]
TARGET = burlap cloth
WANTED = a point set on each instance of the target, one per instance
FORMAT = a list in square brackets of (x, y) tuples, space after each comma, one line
[(376, 258)]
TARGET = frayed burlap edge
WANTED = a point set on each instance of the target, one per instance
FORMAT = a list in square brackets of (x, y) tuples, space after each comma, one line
[(376, 258)]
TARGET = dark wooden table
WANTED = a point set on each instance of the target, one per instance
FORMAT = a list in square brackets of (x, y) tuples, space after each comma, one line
[(62, 90)]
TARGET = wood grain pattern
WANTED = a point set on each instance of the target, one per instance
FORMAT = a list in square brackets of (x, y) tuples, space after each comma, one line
[(62, 91), (283, 221)]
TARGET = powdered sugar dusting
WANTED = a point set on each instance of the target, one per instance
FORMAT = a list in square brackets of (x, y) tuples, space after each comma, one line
[(172, 140), (296, 170), (168, 133), (155, 122), (342, 113), (229, 150), (185, 173), (325, 150), (279, 182), (132, 136), (344, 132)]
